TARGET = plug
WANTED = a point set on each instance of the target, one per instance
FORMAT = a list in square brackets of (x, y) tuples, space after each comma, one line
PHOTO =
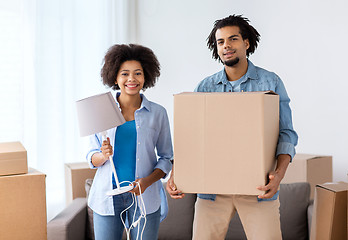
[(136, 223)]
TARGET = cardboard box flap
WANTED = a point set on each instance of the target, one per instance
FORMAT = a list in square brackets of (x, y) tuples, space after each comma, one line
[(227, 93), (304, 156), (11, 147), (270, 93), (30, 172), (13, 158), (78, 165), (334, 187)]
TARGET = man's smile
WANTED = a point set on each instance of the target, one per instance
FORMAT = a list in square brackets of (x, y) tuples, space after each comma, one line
[(229, 53)]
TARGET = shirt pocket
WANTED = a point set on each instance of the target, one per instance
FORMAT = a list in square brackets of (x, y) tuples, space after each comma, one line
[(267, 85)]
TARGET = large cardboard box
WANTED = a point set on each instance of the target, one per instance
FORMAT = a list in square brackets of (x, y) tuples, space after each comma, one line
[(23, 206), (330, 212), (314, 169), (224, 143), (75, 177), (13, 158)]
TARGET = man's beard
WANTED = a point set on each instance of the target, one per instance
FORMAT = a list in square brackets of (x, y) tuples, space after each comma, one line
[(232, 62)]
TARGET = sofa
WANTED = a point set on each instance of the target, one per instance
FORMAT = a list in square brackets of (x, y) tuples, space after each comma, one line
[(75, 222)]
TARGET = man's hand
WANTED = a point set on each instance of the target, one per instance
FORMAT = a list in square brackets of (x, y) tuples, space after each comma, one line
[(172, 190), (275, 177), (272, 187)]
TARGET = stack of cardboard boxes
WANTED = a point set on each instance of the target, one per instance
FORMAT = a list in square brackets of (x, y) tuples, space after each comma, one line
[(329, 219), (22, 196)]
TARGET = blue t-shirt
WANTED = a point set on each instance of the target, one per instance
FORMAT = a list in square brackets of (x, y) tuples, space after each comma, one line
[(236, 84), (125, 153)]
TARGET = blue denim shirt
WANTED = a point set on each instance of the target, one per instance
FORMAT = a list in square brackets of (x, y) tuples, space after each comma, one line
[(258, 79), (153, 132)]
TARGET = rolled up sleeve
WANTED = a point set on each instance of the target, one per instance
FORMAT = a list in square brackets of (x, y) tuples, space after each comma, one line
[(94, 147), (287, 136), (164, 146)]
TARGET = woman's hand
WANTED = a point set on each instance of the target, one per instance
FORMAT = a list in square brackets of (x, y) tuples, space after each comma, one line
[(99, 158), (143, 182), (106, 149)]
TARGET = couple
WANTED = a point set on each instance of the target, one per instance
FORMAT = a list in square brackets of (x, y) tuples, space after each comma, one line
[(131, 68)]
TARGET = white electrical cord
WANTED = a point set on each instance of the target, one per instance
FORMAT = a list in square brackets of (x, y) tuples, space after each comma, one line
[(142, 213)]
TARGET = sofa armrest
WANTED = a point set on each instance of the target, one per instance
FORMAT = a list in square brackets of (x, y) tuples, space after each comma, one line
[(309, 216), (70, 224)]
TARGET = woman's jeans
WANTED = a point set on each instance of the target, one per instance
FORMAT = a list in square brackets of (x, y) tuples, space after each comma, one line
[(111, 227)]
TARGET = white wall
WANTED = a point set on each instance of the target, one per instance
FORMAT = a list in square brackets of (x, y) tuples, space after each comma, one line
[(304, 42)]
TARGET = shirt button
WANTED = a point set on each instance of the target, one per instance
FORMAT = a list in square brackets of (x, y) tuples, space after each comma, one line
[(138, 142)]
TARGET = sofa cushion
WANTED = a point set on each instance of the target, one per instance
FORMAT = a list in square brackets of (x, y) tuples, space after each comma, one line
[(70, 223), (309, 216), (178, 224), (294, 201), (89, 223)]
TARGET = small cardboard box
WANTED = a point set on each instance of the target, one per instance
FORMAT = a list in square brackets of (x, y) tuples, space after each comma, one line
[(314, 169), (224, 143), (330, 212), (75, 177), (23, 206), (13, 158)]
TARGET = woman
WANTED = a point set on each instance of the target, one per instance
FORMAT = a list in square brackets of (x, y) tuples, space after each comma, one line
[(130, 69)]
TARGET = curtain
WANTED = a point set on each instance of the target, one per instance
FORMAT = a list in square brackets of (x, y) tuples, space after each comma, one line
[(51, 56)]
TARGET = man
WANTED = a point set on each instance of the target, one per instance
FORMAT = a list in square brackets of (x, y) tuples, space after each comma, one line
[(231, 41)]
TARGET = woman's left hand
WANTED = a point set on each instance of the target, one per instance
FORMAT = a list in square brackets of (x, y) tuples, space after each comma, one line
[(143, 182)]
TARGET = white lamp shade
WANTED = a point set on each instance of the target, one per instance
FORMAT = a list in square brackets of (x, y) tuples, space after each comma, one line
[(98, 113)]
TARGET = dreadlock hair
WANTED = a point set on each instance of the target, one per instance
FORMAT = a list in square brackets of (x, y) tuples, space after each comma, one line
[(246, 30), (120, 53)]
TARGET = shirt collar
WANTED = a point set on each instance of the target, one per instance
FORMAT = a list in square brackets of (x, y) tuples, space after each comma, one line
[(250, 74), (144, 102)]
